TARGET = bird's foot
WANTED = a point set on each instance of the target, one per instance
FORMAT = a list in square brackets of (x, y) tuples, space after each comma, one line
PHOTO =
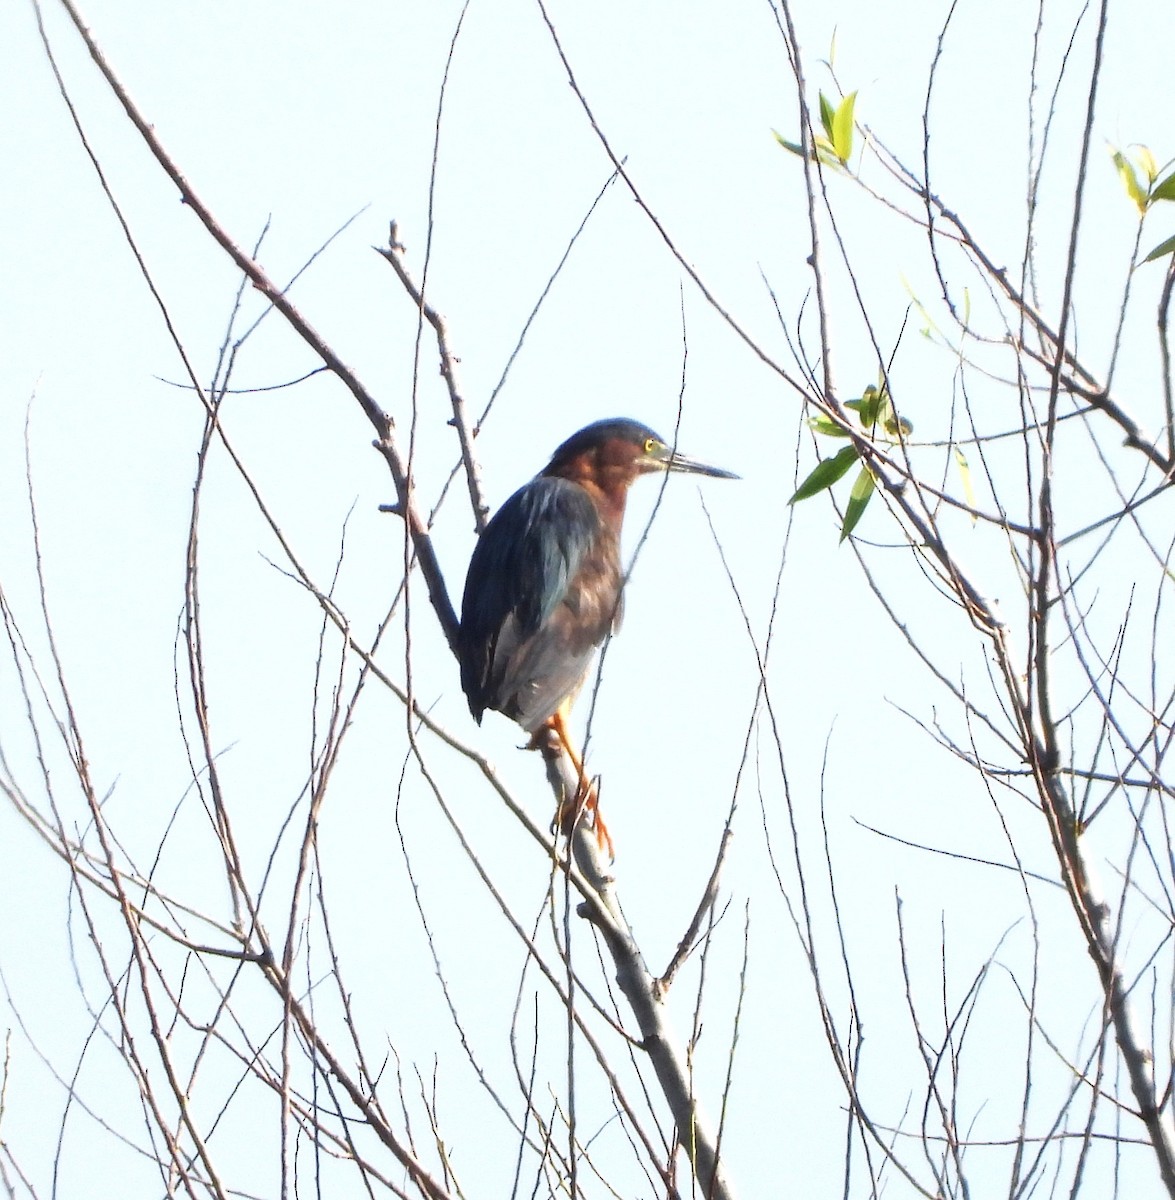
[(586, 811), (551, 738)]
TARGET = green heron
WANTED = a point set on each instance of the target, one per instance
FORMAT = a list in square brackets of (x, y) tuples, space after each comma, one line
[(544, 584)]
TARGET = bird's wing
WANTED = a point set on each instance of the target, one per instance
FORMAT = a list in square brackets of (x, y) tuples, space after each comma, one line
[(519, 577)]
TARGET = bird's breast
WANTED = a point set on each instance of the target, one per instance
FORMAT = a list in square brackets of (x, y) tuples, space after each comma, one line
[(594, 594)]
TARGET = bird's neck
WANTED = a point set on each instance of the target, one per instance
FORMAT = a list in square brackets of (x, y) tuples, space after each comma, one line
[(609, 503), (608, 497)]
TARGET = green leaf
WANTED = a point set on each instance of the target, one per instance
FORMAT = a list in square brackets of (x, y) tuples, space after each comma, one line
[(869, 406), (794, 147), (885, 413), (825, 152), (860, 496), (1146, 160), (827, 115), (841, 135), (968, 487), (826, 428), (1134, 189), (1161, 250), (1164, 190), (825, 473)]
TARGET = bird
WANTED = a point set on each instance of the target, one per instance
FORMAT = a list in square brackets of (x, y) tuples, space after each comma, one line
[(545, 584)]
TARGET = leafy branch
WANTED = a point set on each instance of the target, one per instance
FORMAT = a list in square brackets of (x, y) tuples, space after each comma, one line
[(878, 420)]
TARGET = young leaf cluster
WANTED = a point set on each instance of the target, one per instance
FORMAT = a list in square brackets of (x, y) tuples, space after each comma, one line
[(875, 412), (1140, 178), (834, 147)]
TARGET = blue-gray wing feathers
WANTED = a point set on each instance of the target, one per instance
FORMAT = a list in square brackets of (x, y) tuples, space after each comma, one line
[(541, 594)]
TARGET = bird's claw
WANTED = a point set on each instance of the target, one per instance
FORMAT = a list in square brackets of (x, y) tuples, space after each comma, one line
[(586, 811)]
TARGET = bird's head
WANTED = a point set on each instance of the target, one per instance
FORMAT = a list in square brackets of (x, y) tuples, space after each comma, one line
[(610, 454)]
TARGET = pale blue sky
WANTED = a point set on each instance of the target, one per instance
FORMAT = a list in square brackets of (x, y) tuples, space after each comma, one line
[(306, 115)]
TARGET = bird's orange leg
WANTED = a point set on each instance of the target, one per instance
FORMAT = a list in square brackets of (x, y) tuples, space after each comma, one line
[(587, 799)]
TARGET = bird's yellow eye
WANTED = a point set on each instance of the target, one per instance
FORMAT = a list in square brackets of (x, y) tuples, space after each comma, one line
[(651, 444)]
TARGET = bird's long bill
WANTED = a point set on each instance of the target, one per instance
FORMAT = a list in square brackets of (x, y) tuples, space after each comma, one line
[(674, 461)]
